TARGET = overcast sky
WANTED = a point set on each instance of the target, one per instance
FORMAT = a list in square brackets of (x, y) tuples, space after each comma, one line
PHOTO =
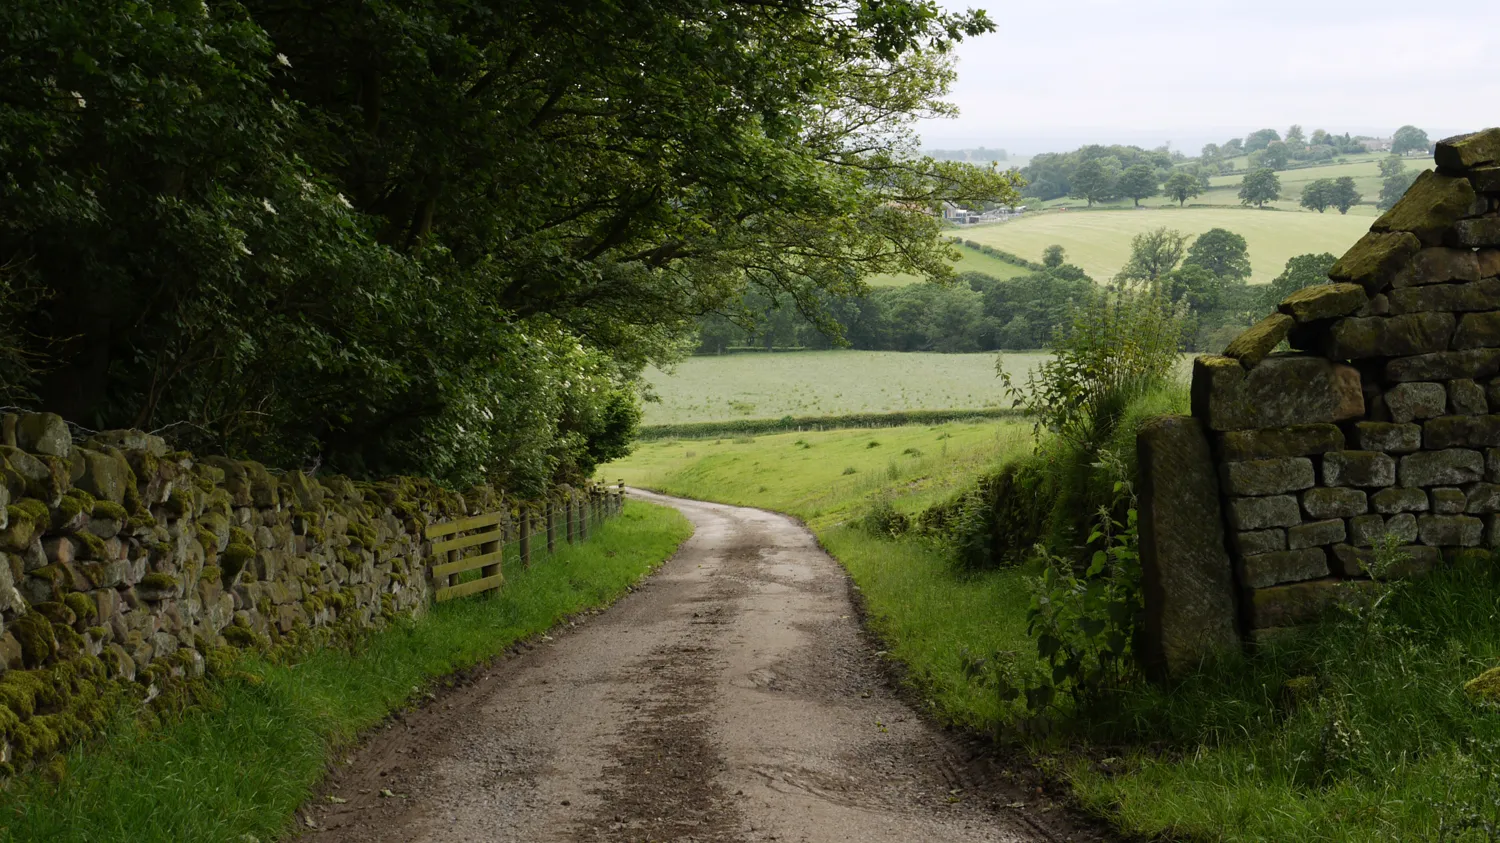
[(1059, 73)]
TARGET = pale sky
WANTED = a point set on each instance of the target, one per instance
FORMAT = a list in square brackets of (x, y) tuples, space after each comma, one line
[(1059, 73)]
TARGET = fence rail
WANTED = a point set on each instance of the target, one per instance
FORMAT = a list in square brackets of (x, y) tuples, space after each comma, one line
[(485, 542)]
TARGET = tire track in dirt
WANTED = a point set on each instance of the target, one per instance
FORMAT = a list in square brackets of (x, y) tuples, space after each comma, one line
[(731, 697)]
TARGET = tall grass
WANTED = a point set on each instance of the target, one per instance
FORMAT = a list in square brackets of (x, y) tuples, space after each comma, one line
[(237, 770)]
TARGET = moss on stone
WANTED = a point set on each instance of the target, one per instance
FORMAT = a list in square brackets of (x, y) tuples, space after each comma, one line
[(235, 557), (93, 546), (178, 504), (240, 636), (34, 633), (82, 605), (210, 573), (159, 581), (1485, 687), (108, 510)]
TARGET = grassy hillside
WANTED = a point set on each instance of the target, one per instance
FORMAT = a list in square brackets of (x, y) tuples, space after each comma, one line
[(806, 383), (1099, 241), (971, 260)]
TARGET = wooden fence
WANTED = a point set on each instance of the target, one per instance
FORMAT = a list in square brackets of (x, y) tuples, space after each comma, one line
[(485, 542)]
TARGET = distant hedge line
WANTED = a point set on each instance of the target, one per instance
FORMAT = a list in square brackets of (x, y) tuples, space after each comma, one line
[(1002, 255), (786, 424)]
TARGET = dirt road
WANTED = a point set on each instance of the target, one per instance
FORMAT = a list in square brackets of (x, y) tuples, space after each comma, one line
[(732, 697)]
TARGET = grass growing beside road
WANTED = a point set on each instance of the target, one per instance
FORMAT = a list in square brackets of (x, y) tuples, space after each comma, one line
[(239, 769), (928, 613)]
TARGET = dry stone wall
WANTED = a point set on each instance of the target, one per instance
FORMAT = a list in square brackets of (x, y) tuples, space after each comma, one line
[(1383, 419), (132, 570)]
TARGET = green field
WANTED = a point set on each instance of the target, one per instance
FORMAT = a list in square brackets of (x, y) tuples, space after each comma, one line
[(1099, 241), (807, 383), (970, 260)]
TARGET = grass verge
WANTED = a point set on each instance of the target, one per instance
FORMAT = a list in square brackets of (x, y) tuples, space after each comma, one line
[(237, 769)]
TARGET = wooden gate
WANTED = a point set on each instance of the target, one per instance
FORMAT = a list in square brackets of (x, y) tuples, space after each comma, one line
[(486, 533)]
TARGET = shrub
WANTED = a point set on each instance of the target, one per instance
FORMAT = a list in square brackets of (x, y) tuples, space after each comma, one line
[(884, 519)]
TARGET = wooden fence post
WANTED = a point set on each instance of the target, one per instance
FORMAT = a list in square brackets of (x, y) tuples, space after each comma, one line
[(572, 500), (551, 526), (494, 547), (525, 536), (583, 519)]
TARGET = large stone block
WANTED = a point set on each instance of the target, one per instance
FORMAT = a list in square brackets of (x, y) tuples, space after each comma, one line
[(1259, 541), (1371, 530), (1454, 298), (1315, 534), (1268, 569), (1281, 391), (1450, 530), (1429, 208), (1257, 341), (1376, 260), (1391, 501), (1447, 500), (1187, 579), (1390, 437), (1295, 441), (1408, 401), (1324, 301), (1452, 467), (1465, 152), (105, 476), (1267, 477), (1360, 561), (1466, 398), (1325, 502), (1390, 336), (1299, 603), (1481, 498), (1461, 432), (44, 433), (1261, 513), (1367, 469), (1438, 265), (1476, 233), (1444, 366), (1478, 330)]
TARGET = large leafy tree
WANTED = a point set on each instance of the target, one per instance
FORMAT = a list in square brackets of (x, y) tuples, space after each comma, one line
[(1139, 182), (1300, 271), (1409, 139), (444, 238), (1092, 181), (1344, 194), (1259, 187), (1223, 253), (1182, 186), (1153, 254)]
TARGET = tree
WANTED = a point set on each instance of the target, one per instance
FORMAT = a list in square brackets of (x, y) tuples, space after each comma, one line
[(1138, 182), (1093, 182), (1053, 256), (1257, 141), (1221, 252), (1194, 285), (1344, 195), (1319, 138), (1301, 271), (1276, 155), (1393, 188), (1233, 147), (1392, 165), (1211, 152), (430, 238), (1409, 139), (1182, 186), (1153, 254), (1318, 195), (1259, 187), (1294, 135)]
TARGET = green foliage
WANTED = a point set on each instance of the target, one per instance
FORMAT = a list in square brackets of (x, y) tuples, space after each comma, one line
[(1259, 187), (1139, 182), (441, 240), (1153, 254), (1317, 195), (1084, 624), (1182, 186), (1259, 140), (1054, 175), (1394, 186), (1053, 256), (1094, 181), (1409, 139), (1221, 252), (703, 430), (1392, 165), (1276, 155)]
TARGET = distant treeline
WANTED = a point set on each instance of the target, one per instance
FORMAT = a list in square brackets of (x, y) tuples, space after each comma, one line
[(789, 424), (982, 155)]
